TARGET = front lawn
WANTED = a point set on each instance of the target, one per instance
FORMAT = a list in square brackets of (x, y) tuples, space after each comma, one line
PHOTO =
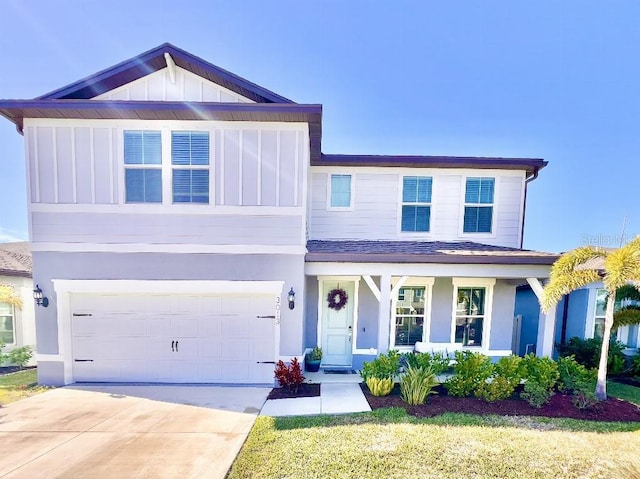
[(624, 391), (19, 385), (388, 443)]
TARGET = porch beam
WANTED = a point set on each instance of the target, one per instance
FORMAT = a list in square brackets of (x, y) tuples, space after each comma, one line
[(384, 314), (172, 68), (536, 286), (372, 286), (399, 285), (546, 332)]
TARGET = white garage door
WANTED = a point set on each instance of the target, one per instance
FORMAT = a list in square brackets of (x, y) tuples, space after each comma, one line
[(173, 338)]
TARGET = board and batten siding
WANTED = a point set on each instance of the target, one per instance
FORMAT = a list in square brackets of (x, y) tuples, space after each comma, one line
[(157, 86), (257, 186), (377, 197)]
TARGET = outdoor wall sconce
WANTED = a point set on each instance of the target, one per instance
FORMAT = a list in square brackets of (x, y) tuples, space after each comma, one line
[(292, 297), (41, 299)]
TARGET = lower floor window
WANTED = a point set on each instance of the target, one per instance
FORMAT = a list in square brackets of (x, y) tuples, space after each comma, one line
[(7, 335), (409, 316), (470, 316)]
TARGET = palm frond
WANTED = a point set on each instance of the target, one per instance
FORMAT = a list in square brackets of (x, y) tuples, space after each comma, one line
[(578, 258), (626, 316), (628, 292), (8, 295), (622, 265), (559, 285)]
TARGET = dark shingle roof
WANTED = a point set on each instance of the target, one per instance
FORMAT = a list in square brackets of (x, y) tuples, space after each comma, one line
[(421, 252), (15, 259)]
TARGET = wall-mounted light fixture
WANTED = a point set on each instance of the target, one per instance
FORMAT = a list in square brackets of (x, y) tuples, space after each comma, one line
[(292, 298), (41, 299)]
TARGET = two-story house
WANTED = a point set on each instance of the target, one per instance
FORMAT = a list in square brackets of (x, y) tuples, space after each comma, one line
[(186, 227)]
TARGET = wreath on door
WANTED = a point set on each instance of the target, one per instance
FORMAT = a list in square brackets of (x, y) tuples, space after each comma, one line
[(337, 299)]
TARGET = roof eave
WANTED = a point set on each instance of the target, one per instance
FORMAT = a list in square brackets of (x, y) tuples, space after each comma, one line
[(416, 258)]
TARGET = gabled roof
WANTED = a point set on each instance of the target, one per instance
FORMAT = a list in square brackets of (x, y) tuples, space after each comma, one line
[(464, 252), (152, 61), (15, 259), (530, 165)]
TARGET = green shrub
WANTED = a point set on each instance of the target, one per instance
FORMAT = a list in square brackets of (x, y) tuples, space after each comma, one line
[(437, 362), (508, 373), (541, 375), (379, 386), (417, 384), (574, 376), (20, 356), (635, 365), (587, 352), (384, 366), (470, 371), (536, 394), (3, 357), (584, 399)]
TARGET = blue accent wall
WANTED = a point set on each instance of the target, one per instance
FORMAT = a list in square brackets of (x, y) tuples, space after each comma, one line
[(577, 314), (527, 305)]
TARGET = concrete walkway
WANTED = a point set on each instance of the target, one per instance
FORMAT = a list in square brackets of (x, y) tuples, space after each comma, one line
[(335, 398)]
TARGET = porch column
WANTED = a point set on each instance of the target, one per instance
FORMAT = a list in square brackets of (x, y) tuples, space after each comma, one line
[(384, 314), (546, 332)]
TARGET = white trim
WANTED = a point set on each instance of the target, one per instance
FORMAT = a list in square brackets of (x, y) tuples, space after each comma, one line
[(174, 209), (589, 324), (171, 67), (28, 176), (370, 351), (189, 287), (414, 234), (15, 327), (408, 171), (427, 283), (372, 286), (111, 166), (54, 147), (259, 172), (296, 166), (494, 205), (240, 165), (36, 164), (92, 164), (167, 248), (221, 175), (278, 168), (536, 287), (352, 179), (522, 210), (74, 166), (487, 283)]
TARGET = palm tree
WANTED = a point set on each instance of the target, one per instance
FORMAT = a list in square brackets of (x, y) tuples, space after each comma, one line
[(8, 295), (588, 264)]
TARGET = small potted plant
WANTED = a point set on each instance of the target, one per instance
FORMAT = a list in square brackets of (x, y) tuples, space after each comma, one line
[(312, 360)]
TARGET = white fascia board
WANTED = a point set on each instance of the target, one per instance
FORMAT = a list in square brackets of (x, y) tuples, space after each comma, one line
[(167, 248), (166, 124), (499, 271), (117, 286), (407, 171)]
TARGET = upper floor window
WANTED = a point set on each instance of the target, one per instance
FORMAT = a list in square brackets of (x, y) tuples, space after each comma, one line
[(7, 332), (416, 203), (143, 182), (478, 205), (190, 160), (340, 196)]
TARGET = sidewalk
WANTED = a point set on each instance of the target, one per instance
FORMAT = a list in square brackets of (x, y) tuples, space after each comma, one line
[(335, 398)]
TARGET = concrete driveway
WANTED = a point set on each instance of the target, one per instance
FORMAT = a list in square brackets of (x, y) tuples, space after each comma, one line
[(127, 431)]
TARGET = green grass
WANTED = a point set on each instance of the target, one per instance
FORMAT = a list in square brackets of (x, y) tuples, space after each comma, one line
[(19, 385), (388, 443), (624, 391)]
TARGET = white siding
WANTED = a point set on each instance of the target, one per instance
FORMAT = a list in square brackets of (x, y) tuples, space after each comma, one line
[(187, 87), (377, 197), (131, 228)]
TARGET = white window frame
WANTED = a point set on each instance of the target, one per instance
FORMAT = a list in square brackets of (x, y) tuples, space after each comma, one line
[(596, 316), (352, 200), (401, 203), (488, 284), (494, 205), (427, 284), (143, 166), (206, 167), (12, 310), (166, 167)]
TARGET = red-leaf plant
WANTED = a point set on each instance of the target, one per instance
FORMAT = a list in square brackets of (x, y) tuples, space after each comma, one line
[(289, 377)]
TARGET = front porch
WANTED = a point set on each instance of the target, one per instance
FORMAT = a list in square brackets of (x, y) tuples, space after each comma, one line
[(394, 305)]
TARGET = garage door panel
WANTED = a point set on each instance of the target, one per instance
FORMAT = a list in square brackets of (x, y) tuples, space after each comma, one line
[(129, 338)]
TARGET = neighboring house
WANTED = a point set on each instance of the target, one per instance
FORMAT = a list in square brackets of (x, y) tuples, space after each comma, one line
[(17, 326), (174, 205), (579, 314)]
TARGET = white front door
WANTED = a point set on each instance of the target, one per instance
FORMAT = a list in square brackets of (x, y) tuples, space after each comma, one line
[(337, 325)]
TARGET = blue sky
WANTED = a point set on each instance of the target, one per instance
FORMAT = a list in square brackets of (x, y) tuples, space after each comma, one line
[(546, 79)]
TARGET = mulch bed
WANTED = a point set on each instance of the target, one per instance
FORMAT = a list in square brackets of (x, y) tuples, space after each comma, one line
[(13, 369), (304, 391), (560, 406)]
